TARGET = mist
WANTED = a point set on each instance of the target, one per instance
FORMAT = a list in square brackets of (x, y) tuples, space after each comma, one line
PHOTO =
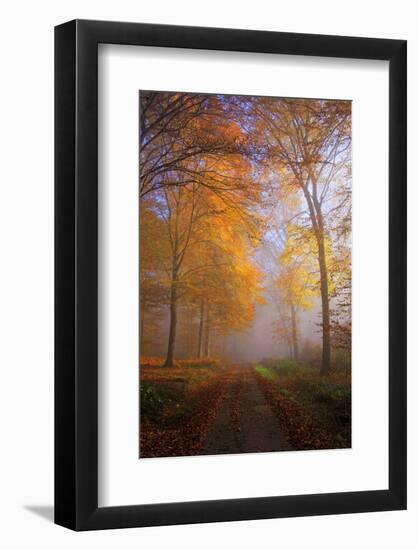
[(245, 211)]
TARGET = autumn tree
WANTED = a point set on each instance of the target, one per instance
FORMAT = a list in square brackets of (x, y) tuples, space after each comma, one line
[(176, 131), (154, 252), (307, 143), (298, 279), (188, 145), (221, 179), (232, 283), (180, 210), (341, 310), (210, 237)]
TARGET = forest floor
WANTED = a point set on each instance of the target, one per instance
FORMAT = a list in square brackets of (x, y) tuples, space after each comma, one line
[(245, 422), (204, 407)]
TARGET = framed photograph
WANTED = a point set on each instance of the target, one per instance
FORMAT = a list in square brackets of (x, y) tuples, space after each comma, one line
[(230, 254)]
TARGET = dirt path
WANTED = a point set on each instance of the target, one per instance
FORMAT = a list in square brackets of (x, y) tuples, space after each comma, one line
[(245, 423)]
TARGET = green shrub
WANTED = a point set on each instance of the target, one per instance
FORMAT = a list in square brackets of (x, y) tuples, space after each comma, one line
[(154, 399), (329, 393), (287, 367), (268, 362), (334, 398)]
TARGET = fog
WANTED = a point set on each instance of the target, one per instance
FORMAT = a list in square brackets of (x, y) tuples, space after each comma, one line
[(259, 342), (245, 215), (253, 344)]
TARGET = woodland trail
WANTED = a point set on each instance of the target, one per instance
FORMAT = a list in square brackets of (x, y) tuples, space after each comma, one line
[(245, 423)]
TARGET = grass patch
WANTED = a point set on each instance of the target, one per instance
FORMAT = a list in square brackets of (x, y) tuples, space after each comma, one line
[(269, 374), (284, 367), (332, 401), (315, 410)]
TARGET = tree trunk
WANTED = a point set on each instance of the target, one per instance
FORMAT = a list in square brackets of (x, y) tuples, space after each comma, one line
[(200, 331), (142, 328), (207, 335), (316, 215), (169, 361), (294, 334), (189, 334), (324, 288)]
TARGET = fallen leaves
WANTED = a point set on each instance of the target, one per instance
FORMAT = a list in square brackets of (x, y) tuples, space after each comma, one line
[(180, 403), (174, 434), (305, 426)]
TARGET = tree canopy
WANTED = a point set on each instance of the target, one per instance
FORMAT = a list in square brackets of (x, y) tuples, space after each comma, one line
[(244, 204)]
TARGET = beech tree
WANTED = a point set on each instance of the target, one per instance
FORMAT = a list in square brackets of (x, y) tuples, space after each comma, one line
[(207, 229), (177, 130), (221, 179), (154, 252), (308, 146), (298, 279)]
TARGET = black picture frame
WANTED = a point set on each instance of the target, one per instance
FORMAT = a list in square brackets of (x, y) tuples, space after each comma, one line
[(76, 272)]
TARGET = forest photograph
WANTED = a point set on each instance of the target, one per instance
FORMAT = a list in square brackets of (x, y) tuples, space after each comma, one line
[(245, 274)]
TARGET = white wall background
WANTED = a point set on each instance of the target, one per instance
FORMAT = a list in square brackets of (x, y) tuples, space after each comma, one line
[(26, 273)]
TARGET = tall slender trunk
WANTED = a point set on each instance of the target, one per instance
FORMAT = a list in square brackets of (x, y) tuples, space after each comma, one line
[(294, 333), (325, 306), (189, 332), (291, 349), (234, 347), (316, 216), (207, 334), (169, 361), (142, 328), (200, 331)]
